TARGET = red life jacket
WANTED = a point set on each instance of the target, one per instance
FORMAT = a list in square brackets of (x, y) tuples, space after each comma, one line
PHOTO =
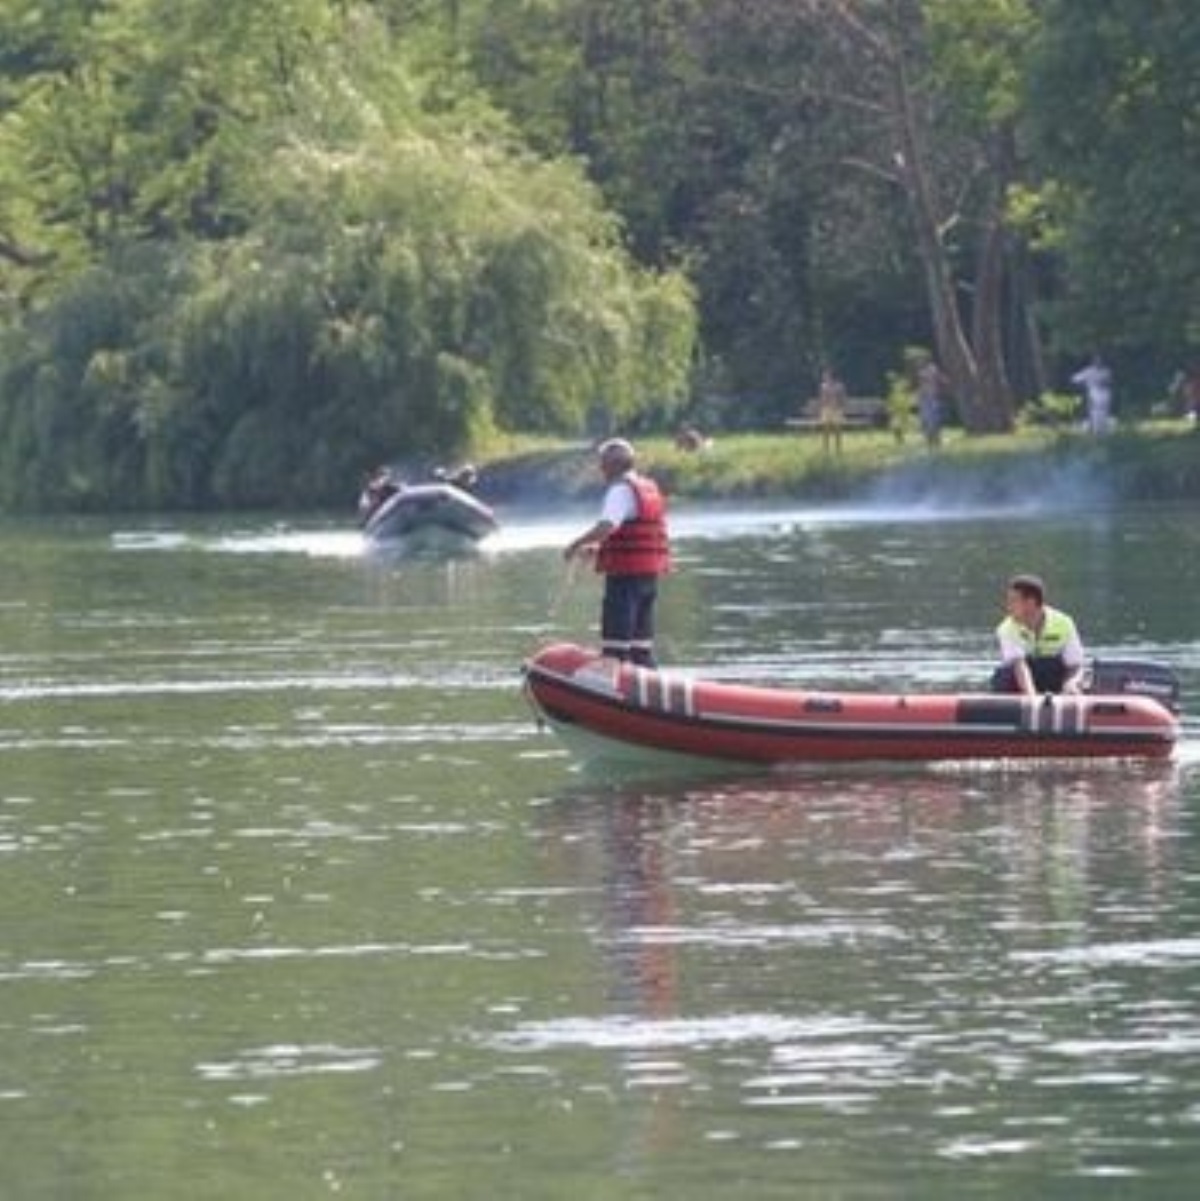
[(638, 546)]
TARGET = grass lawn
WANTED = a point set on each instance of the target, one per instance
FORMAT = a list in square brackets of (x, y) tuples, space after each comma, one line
[(1154, 460)]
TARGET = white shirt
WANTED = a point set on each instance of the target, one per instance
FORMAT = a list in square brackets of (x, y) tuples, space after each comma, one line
[(620, 504), (1097, 380)]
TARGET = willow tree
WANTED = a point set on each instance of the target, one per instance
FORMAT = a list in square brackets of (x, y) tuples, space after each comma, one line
[(408, 299), (137, 118), (320, 262)]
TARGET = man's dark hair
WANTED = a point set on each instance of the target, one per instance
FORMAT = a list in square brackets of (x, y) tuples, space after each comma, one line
[(1029, 586)]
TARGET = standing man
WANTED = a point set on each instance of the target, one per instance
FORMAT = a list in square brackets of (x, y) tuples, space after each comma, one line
[(929, 401), (831, 410), (1097, 382), (1185, 387), (632, 550), (1040, 648)]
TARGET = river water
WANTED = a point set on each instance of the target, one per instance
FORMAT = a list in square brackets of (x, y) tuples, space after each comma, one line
[(299, 902)]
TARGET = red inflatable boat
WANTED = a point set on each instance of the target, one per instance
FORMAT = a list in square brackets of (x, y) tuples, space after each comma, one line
[(607, 708)]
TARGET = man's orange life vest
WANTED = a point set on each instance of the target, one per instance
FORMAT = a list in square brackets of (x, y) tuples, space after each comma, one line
[(640, 545)]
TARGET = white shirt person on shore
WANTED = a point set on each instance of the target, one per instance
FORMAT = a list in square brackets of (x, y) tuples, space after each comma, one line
[(1096, 381)]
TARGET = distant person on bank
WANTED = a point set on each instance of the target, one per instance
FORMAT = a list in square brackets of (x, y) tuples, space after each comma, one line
[(1185, 387), (831, 410), (1040, 648), (632, 549), (930, 382), (691, 439), (1096, 380)]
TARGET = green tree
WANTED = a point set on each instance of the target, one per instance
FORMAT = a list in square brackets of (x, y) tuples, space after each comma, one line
[(816, 165), (345, 265), (931, 89), (1115, 98), (687, 116), (138, 119)]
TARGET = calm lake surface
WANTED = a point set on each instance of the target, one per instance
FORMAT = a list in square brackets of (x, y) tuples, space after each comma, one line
[(299, 902)]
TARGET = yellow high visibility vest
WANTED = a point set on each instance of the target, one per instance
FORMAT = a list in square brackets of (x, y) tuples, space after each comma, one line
[(1048, 642)]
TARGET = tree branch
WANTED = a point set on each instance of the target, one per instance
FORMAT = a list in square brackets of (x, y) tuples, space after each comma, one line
[(873, 169), (22, 256)]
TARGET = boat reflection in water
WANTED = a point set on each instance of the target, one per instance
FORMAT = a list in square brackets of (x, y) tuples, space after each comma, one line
[(920, 947)]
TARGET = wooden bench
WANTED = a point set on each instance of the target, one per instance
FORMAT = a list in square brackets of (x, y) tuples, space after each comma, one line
[(858, 413)]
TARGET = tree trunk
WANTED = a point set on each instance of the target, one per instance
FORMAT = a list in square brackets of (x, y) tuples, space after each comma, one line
[(987, 335), (973, 361), (1026, 352), (992, 273), (954, 352)]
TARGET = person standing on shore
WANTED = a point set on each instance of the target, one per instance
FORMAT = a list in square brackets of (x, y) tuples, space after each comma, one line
[(831, 410), (1096, 381), (632, 549), (929, 401), (1186, 388)]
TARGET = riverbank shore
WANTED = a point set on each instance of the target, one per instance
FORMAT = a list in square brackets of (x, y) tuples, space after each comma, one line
[(1158, 462)]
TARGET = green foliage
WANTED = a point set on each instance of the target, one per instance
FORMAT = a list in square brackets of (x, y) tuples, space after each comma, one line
[(396, 283), (1058, 410), (246, 249), (901, 404), (1147, 462), (1112, 96), (140, 119), (697, 121), (80, 384), (979, 50)]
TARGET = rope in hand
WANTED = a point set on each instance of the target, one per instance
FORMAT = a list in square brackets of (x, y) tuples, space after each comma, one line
[(566, 585)]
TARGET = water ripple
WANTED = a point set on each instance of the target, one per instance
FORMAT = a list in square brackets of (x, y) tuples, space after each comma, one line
[(740, 934), (289, 1060), (633, 1033), (1156, 953)]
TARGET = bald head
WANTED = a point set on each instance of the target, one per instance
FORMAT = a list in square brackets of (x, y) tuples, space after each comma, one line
[(616, 456)]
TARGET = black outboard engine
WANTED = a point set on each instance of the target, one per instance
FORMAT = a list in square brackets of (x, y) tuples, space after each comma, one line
[(1137, 677)]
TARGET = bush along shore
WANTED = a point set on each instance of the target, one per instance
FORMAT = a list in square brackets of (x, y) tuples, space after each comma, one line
[(1158, 462)]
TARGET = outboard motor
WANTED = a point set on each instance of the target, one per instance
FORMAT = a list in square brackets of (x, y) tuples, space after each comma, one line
[(1137, 677)]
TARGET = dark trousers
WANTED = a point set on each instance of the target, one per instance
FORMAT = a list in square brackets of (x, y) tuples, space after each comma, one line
[(1049, 675), (627, 618)]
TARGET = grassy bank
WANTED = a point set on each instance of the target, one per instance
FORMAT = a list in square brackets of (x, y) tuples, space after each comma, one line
[(1158, 461)]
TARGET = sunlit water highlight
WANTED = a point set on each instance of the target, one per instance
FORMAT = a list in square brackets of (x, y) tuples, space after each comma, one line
[(523, 530)]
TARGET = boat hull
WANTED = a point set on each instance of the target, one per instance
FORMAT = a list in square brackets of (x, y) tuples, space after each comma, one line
[(430, 516), (627, 707)]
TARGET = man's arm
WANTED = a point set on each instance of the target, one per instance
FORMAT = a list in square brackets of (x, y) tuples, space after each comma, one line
[(1024, 678), (1012, 654), (590, 538), (619, 506), (1073, 659)]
